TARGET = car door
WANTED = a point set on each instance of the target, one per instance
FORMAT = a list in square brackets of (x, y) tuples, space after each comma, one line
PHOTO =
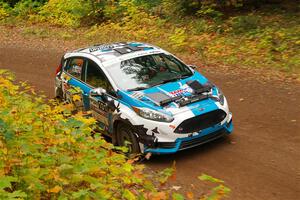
[(100, 106), (75, 90)]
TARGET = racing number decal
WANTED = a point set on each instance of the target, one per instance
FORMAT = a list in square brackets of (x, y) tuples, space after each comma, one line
[(103, 106), (99, 111)]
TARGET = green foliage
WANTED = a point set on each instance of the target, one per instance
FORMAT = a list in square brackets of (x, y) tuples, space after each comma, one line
[(205, 177), (218, 192), (178, 38), (200, 26), (5, 10), (177, 196), (205, 8), (244, 24), (135, 24), (172, 8), (25, 8), (64, 13), (6, 184), (147, 4), (209, 10)]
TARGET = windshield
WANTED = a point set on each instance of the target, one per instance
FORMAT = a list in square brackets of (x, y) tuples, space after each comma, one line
[(147, 71)]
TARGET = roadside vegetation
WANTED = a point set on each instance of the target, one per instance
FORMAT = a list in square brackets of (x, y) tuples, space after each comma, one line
[(243, 33)]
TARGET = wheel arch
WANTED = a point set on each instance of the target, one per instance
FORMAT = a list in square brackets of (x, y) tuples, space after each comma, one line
[(116, 123)]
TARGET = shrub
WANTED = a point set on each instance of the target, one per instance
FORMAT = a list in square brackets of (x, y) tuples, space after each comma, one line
[(4, 10), (135, 24), (25, 8), (208, 10), (64, 13), (243, 24), (178, 38), (200, 26)]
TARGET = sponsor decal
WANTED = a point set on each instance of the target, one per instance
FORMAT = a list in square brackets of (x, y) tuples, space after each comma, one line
[(179, 92), (184, 89), (99, 111), (101, 47)]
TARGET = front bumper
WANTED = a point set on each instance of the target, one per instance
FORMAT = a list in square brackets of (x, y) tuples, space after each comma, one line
[(204, 136)]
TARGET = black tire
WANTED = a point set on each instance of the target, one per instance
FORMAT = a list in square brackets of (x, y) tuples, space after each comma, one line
[(59, 95), (126, 137)]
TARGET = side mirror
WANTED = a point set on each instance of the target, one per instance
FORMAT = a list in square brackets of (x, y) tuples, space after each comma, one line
[(100, 92), (97, 92)]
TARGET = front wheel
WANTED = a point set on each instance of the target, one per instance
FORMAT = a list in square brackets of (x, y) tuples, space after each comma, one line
[(126, 137)]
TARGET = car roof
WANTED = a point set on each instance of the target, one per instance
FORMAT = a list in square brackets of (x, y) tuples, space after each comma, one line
[(114, 52)]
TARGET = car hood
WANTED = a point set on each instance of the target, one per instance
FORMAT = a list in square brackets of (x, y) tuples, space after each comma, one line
[(177, 88)]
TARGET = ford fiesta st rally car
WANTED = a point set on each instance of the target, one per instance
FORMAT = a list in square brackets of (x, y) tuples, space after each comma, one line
[(144, 97)]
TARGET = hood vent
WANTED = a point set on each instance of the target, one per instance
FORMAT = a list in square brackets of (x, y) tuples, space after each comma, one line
[(161, 99), (198, 88)]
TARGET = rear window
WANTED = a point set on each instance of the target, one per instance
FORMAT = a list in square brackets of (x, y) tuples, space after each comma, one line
[(74, 67)]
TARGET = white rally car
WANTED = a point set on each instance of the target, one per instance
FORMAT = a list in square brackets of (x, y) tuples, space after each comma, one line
[(144, 97)]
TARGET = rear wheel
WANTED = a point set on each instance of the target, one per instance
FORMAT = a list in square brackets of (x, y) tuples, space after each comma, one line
[(58, 94), (126, 137)]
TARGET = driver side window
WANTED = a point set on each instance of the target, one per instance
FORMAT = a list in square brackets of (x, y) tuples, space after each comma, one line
[(95, 77)]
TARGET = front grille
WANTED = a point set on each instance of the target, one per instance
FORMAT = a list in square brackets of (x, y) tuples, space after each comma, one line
[(201, 122), (201, 140)]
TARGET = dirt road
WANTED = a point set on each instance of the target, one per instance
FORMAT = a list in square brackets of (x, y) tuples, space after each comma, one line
[(260, 160)]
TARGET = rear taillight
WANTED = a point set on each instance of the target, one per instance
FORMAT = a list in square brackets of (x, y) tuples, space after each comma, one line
[(58, 69)]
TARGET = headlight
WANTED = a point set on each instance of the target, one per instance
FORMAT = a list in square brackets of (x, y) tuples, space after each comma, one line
[(221, 97), (153, 115)]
